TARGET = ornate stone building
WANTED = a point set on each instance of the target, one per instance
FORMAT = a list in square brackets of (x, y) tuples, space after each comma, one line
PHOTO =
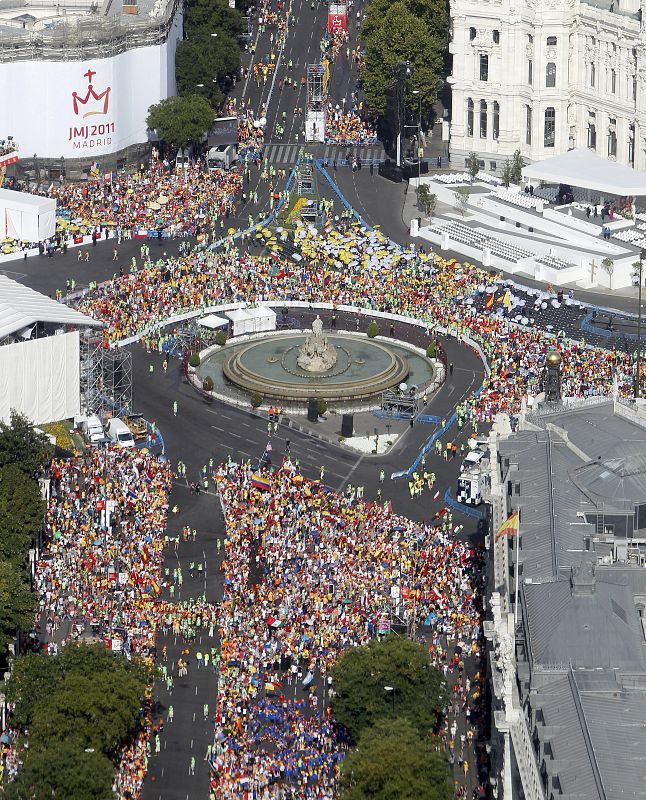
[(544, 76)]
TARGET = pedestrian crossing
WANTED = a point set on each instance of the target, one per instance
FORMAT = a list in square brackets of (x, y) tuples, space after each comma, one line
[(277, 153)]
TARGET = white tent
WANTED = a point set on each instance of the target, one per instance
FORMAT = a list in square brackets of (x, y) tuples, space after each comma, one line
[(252, 320), (213, 322), (26, 217), (586, 170), (264, 319)]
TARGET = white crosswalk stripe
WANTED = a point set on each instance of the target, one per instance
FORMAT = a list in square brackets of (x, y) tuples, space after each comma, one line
[(281, 153)]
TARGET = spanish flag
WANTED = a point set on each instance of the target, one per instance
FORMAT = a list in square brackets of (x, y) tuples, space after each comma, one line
[(259, 482), (489, 301), (509, 527)]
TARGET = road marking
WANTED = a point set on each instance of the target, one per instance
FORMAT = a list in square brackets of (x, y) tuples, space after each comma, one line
[(217, 428), (347, 477)]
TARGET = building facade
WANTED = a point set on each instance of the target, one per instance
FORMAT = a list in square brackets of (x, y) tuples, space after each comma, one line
[(544, 76)]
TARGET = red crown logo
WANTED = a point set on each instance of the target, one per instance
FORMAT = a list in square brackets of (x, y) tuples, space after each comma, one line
[(98, 102)]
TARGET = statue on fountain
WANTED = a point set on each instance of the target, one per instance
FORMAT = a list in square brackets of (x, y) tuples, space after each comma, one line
[(316, 354)]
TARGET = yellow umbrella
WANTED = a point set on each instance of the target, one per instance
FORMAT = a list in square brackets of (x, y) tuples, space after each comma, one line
[(231, 231), (267, 233), (154, 206), (8, 239), (163, 199)]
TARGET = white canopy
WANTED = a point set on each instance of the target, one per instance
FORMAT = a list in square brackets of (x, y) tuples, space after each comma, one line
[(212, 321), (586, 170), (26, 217), (252, 320), (22, 307)]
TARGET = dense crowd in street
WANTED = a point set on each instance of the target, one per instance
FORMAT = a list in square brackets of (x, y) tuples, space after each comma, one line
[(100, 570), (348, 128), (309, 574), (374, 274)]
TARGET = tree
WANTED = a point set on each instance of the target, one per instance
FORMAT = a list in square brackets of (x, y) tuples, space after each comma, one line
[(17, 602), (462, 195), (392, 761), (434, 13), (373, 329), (21, 514), (426, 200), (507, 173), (361, 674), (180, 120), (62, 771), (202, 65), (517, 164), (22, 445), (398, 36), (609, 265), (472, 165), (204, 17)]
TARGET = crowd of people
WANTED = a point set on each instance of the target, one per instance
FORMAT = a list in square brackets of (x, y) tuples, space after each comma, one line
[(100, 570), (309, 574), (360, 267), (350, 127)]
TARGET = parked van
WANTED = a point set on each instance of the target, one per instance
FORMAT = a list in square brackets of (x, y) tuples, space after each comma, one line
[(183, 158), (119, 433), (92, 430), (221, 157)]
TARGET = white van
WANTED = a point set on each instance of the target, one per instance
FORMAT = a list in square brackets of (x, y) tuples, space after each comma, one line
[(92, 430), (473, 458), (183, 159), (119, 433), (221, 157)]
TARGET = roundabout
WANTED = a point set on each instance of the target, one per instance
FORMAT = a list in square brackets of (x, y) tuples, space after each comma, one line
[(357, 368)]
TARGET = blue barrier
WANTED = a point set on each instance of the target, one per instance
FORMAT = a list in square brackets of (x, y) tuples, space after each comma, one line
[(462, 508), (319, 166), (401, 415)]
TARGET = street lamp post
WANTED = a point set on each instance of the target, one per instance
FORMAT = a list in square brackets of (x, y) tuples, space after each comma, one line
[(402, 72), (391, 690), (419, 135)]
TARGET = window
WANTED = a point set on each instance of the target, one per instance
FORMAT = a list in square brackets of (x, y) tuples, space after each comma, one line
[(469, 117), (528, 124), (551, 41), (550, 127), (550, 75), (496, 37), (472, 34), (593, 75), (613, 81), (631, 146), (496, 120), (634, 88), (530, 39), (612, 144), (484, 67), (493, 166), (530, 72), (592, 136), (483, 119)]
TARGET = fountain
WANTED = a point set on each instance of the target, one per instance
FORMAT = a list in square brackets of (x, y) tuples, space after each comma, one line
[(316, 354)]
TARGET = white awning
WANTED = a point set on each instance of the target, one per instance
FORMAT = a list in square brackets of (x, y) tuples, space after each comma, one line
[(586, 170), (212, 321), (22, 307)]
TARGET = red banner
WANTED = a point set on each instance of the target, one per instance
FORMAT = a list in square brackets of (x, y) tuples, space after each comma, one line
[(337, 22)]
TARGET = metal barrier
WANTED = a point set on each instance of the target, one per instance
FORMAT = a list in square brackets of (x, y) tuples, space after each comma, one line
[(476, 513)]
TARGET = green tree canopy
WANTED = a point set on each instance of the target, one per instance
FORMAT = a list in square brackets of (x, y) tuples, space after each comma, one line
[(17, 602), (392, 761), (434, 13), (361, 674), (22, 445), (180, 120), (64, 772), (37, 682), (203, 60), (21, 513), (204, 17), (401, 36)]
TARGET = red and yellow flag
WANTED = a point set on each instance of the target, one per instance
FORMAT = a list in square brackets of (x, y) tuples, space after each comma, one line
[(489, 301), (509, 527)]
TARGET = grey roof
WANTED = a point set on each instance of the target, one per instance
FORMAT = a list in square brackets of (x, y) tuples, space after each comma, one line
[(596, 630), (596, 730), (617, 478)]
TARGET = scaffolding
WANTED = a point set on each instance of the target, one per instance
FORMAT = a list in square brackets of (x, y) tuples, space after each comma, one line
[(106, 378), (400, 404), (315, 118)]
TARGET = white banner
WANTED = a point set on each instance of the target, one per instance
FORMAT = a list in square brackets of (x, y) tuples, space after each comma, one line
[(81, 109)]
